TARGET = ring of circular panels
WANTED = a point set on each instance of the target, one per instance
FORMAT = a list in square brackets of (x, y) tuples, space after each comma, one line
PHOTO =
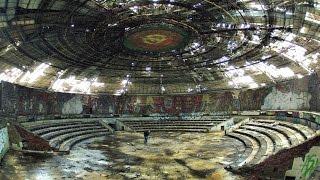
[(152, 42)]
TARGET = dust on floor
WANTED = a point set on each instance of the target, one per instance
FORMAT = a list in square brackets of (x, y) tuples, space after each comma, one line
[(125, 156)]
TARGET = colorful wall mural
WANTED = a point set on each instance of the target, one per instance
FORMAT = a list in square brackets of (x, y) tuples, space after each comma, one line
[(301, 94), (253, 99)]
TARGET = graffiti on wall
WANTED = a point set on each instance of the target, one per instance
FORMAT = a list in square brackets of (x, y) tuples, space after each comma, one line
[(303, 169), (310, 164)]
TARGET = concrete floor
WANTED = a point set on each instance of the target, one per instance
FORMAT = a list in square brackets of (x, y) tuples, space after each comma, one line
[(125, 156)]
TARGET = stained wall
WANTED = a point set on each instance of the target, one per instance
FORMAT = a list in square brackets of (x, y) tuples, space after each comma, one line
[(23, 101), (301, 94)]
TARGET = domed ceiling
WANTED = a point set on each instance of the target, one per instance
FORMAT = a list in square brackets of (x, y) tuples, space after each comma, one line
[(157, 47)]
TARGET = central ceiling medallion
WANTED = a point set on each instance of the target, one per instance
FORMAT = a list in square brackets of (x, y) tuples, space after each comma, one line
[(156, 38)]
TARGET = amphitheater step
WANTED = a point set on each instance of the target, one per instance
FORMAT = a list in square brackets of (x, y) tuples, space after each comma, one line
[(44, 126), (252, 148), (295, 137), (264, 149), (64, 134), (57, 141), (51, 135), (279, 139), (305, 131), (62, 127), (171, 129), (268, 137), (67, 145), (172, 125)]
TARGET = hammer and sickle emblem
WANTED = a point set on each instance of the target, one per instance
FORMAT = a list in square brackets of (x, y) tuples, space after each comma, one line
[(154, 39)]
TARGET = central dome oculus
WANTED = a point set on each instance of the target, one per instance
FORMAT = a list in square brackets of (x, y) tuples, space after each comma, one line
[(156, 38)]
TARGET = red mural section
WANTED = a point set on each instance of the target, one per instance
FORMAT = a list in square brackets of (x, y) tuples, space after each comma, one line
[(253, 99), (219, 102), (23, 101)]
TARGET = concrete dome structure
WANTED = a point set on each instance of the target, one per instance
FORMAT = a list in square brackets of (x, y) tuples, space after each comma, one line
[(228, 88)]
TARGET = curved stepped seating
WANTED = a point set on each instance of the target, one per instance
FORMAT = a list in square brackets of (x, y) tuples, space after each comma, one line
[(44, 126), (295, 137), (64, 135), (62, 127), (251, 148), (67, 145), (53, 134), (271, 136), (171, 125), (271, 142), (280, 140), (151, 122), (266, 145), (280, 131), (170, 129), (57, 141), (308, 132), (305, 131)]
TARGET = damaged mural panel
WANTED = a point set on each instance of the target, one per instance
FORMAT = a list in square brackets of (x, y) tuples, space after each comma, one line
[(292, 95), (302, 94), (73, 106), (9, 98), (314, 89), (219, 102), (286, 100), (23, 101), (252, 99), (175, 105)]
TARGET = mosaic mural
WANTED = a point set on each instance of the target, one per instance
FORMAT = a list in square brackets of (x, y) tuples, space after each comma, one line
[(23, 101)]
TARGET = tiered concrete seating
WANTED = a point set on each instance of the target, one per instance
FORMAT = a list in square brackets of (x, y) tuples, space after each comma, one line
[(61, 128), (171, 125), (267, 137), (63, 135), (264, 138), (272, 128), (294, 136), (251, 148), (68, 144), (265, 144), (279, 140), (305, 131)]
